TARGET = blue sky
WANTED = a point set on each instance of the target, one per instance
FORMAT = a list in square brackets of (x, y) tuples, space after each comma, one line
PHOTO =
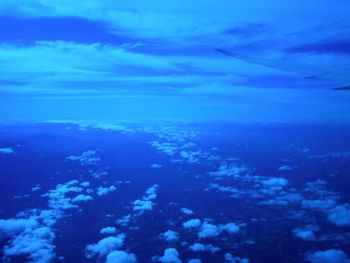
[(140, 60)]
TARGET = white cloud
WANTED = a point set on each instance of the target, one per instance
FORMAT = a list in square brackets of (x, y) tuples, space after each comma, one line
[(201, 247), (6, 150), (156, 165), (306, 234), (195, 260), (86, 158), (285, 168), (119, 256), (32, 234), (104, 246), (186, 211), (229, 258), (36, 243), (36, 188), (209, 230), (340, 215), (85, 184), (82, 198), (12, 226), (329, 256), (319, 204), (193, 223), (109, 230), (230, 228), (170, 236), (105, 190), (146, 202), (171, 255), (124, 220)]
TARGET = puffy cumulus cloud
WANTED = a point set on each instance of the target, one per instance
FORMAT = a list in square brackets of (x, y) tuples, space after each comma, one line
[(85, 184), (142, 205), (340, 215), (230, 228), (31, 234), (109, 230), (186, 211), (304, 234), (329, 256), (6, 150), (105, 190), (192, 223), (146, 203), (36, 243), (272, 185), (86, 158), (104, 246), (171, 255), (170, 236), (229, 258), (151, 193), (195, 260), (82, 198), (208, 230), (201, 247), (58, 199), (119, 256), (12, 226)]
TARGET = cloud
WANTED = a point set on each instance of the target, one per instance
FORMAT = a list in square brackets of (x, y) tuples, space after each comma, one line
[(340, 215), (86, 158), (109, 230), (170, 236), (192, 223), (186, 211), (10, 227), (307, 233), (208, 230), (318, 204), (196, 260), (285, 168), (230, 228), (36, 243), (6, 150), (201, 247), (146, 202), (155, 165), (119, 256), (229, 258), (31, 234), (171, 255), (104, 246), (105, 190), (329, 256), (82, 198)]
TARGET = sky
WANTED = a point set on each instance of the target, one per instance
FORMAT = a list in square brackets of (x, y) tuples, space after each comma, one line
[(156, 60)]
